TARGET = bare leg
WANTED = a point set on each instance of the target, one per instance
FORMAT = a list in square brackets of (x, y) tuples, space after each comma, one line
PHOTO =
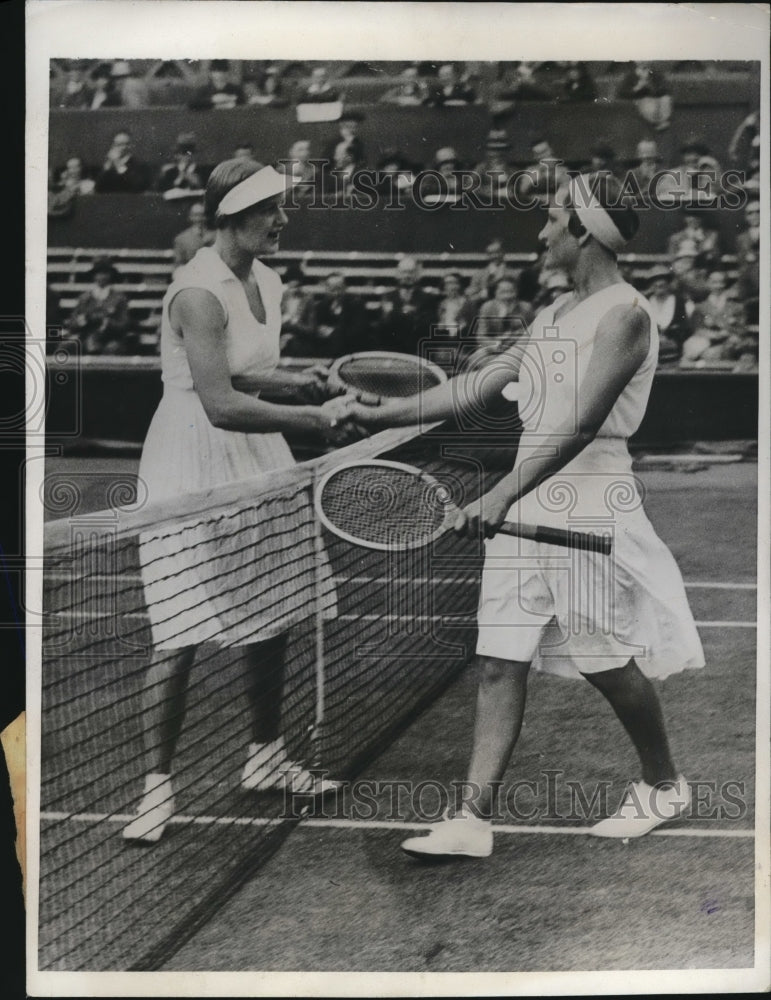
[(635, 702), (163, 704), (265, 663), (500, 708)]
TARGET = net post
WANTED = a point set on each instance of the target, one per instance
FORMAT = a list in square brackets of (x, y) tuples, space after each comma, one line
[(319, 557)]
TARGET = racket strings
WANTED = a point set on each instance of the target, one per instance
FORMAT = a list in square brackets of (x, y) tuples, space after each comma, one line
[(389, 377), (385, 506)]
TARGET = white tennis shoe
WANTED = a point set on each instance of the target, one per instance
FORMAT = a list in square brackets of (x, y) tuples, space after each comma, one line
[(268, 768), (644, 808), (463, 835), (155, 810)]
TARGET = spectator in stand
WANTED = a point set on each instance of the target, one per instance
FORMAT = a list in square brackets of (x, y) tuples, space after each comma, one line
[(244, 151), (121, 172), (61, 202), (339, 179), (520, 82), (649, 89), (747, 259), (669, 309), (410, 92), (72, 177), (197, 235), (298, 316), (100, 320), (133, 90), (104, 93), (482, 284), (647, 166), (347, 140), (446, 190), (183, 174), (297, 163), (495, 171), (220, 92), (406, 313), (341, 322), (694, 179), (718, 324), (603, 159), (689, 274), (265, 90), (744, 148), (450, 90), (577, 84), (319, 89), (543, 177), (76, 93), (395, 175), (696, 232), (455, 310), (502, 320)]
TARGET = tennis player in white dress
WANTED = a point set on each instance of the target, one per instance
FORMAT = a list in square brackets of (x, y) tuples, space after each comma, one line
[(220, 329), (584, 379)]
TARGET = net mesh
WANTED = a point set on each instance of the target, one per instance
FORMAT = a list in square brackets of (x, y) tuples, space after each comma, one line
[(384, 505), (352, 643), (388, 376)]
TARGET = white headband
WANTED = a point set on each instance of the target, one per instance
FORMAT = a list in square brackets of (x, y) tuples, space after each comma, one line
[(593, 217), (262, 184)]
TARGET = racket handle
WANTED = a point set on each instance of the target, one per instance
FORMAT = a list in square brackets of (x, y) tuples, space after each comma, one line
[(368, 398), (558, 536)]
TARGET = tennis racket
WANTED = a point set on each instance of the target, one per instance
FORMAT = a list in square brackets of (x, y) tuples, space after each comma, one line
[(375, 375), (393, 507)]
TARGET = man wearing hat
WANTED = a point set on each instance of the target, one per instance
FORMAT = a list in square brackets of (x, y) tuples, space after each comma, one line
[(495, 171), (482, 284), (349, 139), (648, 164), (183, 173), (100, 320), (450, 90), (219, 93), (694, 231), (133, 90)]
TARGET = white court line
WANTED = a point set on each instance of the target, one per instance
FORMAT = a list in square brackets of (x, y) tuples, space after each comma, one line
[(380, 580), (356, 824), (445, 616)]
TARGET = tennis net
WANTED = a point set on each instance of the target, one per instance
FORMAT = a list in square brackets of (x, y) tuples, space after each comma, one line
[(371, 639)]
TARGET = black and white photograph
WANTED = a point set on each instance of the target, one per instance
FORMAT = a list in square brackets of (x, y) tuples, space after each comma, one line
[(397, 498)]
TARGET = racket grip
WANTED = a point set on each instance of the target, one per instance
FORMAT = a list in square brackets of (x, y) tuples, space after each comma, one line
[(588, 542), (368, 398)]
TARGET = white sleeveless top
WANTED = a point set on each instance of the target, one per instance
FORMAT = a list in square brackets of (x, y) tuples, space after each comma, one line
[(554, 366), (252, 347)]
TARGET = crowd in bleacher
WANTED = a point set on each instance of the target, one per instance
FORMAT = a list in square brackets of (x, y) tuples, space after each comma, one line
[(706, 304)]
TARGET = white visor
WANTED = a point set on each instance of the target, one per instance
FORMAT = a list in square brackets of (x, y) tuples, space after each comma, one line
[(265, 183), (593, 217)]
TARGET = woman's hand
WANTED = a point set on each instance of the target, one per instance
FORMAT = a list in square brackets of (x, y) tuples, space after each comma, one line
[(312, 384), (338, 424), (484, 516)]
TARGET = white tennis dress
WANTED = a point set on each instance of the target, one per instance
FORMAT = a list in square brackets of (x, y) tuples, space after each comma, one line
[(247, 575), (575, 612)]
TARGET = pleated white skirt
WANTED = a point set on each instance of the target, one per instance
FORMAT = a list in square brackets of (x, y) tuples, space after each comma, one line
[(239, 574)]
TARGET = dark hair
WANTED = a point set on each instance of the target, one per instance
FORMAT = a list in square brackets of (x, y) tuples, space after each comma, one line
[(224, 178), (453, 274)]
